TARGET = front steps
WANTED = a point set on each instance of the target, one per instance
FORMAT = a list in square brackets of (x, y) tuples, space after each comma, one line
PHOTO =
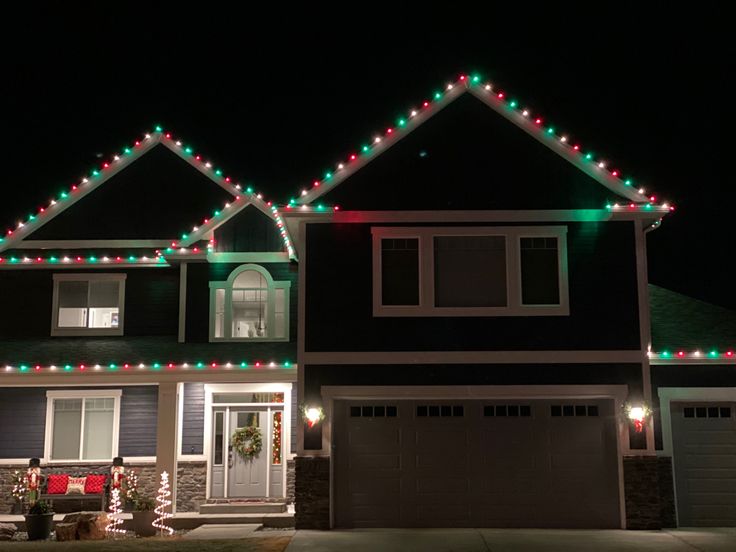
[(242, 507)]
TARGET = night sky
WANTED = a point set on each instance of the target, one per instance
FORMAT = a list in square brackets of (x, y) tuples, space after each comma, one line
[(276, 99)]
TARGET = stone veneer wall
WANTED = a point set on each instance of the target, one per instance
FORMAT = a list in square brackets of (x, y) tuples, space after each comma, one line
[(191, 486), (649, 491), (667, 512), (191, 481), (290, 481), (312, 492)]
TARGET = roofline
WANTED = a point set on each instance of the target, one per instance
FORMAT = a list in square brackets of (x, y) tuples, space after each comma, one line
[(594, 168)]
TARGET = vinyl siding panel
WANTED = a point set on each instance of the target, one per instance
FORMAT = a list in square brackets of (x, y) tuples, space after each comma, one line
[(249, 231), (138, 412), (23, 421), (192, 433)]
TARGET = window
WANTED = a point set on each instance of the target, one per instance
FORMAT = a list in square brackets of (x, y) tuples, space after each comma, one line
[(88, 304), (470, 271), (250, 306), (82, 425)]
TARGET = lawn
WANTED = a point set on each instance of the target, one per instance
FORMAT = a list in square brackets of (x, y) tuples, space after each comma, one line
[(254, 544)]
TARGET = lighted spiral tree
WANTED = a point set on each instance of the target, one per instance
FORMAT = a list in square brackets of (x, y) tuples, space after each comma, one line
[(114, 520), (163, 503)]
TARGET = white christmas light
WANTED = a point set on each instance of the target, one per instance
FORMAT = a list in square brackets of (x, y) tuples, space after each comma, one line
[(163, 503)]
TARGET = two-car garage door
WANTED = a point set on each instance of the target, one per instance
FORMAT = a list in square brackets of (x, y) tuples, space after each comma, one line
[(474, 463)]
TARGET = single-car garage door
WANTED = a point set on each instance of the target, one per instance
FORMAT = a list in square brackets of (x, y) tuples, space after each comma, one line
[(462, 463), (704, 443)]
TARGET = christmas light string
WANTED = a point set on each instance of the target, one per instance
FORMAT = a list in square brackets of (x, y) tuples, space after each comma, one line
[(129, 154), (536, 123), (114, 520), (150, 367), (161, 509)]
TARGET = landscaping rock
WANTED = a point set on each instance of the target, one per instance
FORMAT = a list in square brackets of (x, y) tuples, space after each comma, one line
[(90, 525), (66, 531), (7, 530)]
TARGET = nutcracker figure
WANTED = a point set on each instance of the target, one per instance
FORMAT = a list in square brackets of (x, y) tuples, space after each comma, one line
[(33, 477), (117, 471)]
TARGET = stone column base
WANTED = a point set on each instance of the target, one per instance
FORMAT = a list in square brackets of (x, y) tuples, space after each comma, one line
[(312, 492)]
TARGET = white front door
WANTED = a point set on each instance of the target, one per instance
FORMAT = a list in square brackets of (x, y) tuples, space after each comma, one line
[(247, 477)]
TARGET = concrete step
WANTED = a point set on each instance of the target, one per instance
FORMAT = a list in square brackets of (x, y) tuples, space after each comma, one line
[(244, 507), (191, 520)]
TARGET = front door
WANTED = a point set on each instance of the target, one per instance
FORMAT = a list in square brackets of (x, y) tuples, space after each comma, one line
[(247, 478)]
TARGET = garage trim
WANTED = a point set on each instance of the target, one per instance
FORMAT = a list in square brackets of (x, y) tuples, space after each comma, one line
[(617, 393)]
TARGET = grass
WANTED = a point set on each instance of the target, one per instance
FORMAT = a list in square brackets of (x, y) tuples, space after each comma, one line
[(254, 544)]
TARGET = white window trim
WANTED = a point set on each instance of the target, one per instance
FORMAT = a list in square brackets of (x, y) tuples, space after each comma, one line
[(114, 394), (56, 331), (512, 235), (227, 285)]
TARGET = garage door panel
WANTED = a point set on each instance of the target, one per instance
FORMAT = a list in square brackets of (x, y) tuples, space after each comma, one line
[(507, 469), (375, 461), (704, 443), (375, 486), (442, 485), (375, 436)]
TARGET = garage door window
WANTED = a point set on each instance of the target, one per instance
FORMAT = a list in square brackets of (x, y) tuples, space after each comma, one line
[(707, 412), (574, 410), (442, 411), (507, 410), (379, 411)]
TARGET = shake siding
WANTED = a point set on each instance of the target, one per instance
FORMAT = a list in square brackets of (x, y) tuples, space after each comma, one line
[(602, 288), (192, 433)]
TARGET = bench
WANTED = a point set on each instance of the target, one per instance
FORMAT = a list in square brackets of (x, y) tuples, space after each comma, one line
[(58, 490)]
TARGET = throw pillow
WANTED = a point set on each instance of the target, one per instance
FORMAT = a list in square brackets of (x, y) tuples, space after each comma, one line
[(56, 484), (95, 484), (76, 485)]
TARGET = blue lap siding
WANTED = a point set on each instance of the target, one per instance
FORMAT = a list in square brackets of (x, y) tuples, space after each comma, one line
[(23, 421)]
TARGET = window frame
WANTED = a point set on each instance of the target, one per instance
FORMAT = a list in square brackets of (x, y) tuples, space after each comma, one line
[(57, 331), (53, 395), (271, 286), (512, 236)]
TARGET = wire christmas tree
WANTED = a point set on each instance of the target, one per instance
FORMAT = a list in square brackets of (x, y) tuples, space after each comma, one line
[(163, 503), (114, 519)]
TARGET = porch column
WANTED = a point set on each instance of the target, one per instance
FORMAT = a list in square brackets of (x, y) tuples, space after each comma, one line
[(167, 435)]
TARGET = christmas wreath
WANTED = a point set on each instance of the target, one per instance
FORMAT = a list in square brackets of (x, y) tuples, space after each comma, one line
[(247, 442)]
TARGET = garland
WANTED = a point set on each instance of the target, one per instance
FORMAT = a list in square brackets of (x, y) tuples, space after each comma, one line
[(247, 442)]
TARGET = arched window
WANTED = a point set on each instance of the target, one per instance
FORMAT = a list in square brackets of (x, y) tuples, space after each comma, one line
[(250, 305)]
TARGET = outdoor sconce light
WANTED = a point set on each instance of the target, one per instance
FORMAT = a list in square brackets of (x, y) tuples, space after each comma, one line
[(313, 415), (638, 413)]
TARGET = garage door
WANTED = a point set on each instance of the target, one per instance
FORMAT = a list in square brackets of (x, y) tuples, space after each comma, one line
[(704, 441), (476, 464)]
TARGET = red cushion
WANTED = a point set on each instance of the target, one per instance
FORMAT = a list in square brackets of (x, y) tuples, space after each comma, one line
[(57, 484), (94, 484)]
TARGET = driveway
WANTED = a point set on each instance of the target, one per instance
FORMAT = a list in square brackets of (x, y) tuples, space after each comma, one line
[(513, 540)]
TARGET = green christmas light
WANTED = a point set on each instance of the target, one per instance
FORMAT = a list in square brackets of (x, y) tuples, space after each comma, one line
[(218, 172), (127, 151), (95, 172), (475, 78), (68, 368), (63, 195), (628, 182), (513, 103), (665, 354), (287, 364), (24, 368), (365, 149), (158, 128), (243, 364), (156, 366), (249, 190), (550, 130), (713, 353), (437, 95), (200, 365), (188, 150), (328, 175), (401, 122), (588, 156)]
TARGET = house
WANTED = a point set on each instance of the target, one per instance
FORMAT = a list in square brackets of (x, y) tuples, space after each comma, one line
[(152, 333), (475, 325), (453, 326)]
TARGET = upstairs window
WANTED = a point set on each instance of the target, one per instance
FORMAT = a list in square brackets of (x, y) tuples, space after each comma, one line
[(470, 271), (88, 304), (249, 306)]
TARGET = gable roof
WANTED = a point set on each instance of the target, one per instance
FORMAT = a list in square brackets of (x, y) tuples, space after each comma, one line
[(511, 109), (99, 175), (686, 327)]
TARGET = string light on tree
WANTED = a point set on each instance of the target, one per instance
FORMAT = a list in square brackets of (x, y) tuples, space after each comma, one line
[(114, 517), (163, 502)]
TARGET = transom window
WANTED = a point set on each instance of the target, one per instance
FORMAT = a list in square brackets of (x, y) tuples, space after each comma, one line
[(470, 271), (88, 304), (82, 425), (250, 305)]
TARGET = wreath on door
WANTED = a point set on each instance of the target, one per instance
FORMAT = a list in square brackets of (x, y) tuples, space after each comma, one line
[(247, 442)]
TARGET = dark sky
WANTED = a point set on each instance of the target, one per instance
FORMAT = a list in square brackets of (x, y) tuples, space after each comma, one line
[(277, 98)]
